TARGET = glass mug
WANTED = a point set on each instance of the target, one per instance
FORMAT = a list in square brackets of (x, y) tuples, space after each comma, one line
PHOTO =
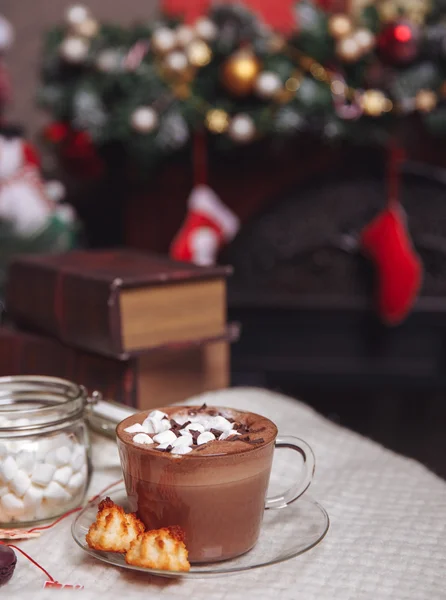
[(218, 499)]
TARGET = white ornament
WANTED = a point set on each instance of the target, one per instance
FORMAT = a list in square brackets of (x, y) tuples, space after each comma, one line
[(6, 34), (184, 35), (206, 29), (163, 40), (364, 38), (242, 129), (144, 119), (267, 84), (74, 49), (348, 49), (176, 61), (55, 190), (109, 61), (76, 14)]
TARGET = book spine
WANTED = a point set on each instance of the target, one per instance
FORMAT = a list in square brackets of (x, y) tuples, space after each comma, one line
[(78, 311), (26, 354)]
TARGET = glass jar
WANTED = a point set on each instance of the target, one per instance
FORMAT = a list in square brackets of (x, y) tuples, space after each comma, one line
[(45, 462)]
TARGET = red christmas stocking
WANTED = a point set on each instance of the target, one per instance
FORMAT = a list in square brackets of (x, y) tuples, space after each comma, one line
[(387, 242), (209, 225)]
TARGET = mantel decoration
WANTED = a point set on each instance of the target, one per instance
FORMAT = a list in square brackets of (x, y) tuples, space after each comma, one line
[(150, 87)]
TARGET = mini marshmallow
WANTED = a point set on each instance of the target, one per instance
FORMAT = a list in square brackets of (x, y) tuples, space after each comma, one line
[(20, 483), (157, 415), (8, 468), (43, 473), (181, 449), (166, 437), (55, 493), (220, 423), (32, 498), (156, 425), (142, 438), (63, 475), (183, 440), (12, 505), (227, 434), (205, 437), (136, 428), (76, 482), (4, 489), (163, 425), (62, 456), (26, 459), (78, 458), (194, 426), (149, 425)]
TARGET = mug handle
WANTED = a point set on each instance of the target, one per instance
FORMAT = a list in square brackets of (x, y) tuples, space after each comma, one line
[(303, 484)]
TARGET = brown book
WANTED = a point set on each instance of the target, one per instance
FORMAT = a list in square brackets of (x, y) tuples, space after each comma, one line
[(116, 302), (157, 377)]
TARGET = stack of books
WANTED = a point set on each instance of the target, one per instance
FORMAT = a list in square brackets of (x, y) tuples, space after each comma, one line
[(141, 329)]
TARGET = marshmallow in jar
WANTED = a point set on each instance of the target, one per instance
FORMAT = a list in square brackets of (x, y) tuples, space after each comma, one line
[(45, 462)]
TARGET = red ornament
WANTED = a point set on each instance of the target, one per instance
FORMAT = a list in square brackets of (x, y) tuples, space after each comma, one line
[(56, 132), (80, 155), (398, 43)]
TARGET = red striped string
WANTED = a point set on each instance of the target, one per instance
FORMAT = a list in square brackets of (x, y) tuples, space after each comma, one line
[(30, 559), (70, 512)]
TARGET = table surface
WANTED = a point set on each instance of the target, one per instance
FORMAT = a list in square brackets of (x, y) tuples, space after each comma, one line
[(387, 538)]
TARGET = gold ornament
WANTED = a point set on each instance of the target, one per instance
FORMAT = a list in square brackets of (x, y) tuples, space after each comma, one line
[(426, 100), (388, 11), (199, 53), (365, 39), (88, 28), (217, 120), (348, 50), (340, 26), (240, 71), (374, 103)]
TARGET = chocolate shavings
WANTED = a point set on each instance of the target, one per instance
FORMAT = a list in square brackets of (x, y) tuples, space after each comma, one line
[(194, 435), (216, 432), (257, 441), (203, 407), (168, 449)]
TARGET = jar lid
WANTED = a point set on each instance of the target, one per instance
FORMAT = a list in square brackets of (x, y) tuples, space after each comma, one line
[(30, 402)]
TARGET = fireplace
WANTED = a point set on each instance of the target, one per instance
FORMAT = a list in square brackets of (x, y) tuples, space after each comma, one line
[(304, 296)]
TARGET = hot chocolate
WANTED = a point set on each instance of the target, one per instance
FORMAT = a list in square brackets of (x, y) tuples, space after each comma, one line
[(213, 483)]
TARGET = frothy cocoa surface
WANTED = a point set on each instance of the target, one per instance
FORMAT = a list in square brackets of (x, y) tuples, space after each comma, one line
[(256, 431)]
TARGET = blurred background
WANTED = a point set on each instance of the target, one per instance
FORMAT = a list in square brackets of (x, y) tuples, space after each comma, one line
[(303, 144)]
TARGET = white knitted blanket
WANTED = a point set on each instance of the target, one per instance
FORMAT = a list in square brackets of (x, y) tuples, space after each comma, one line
[(387, 538)]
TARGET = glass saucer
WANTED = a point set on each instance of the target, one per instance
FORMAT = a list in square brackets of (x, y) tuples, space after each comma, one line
[(286, 533)]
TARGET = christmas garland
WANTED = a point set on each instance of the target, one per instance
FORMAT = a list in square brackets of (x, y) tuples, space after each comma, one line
[(150, 87)]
